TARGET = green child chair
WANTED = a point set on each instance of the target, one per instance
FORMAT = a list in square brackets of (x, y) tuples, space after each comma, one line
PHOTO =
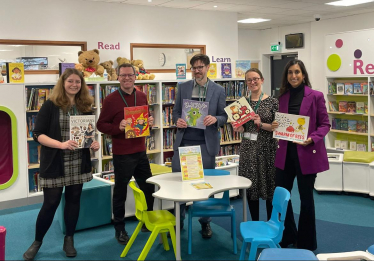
[(157, 221)]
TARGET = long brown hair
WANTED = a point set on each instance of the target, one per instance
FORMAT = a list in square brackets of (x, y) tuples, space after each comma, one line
[(83, 99), (285, 84)]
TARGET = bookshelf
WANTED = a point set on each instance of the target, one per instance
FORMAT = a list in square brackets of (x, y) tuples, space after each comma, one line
[(16, 97), (350, 106)]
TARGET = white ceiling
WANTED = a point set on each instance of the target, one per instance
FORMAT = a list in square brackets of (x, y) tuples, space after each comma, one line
[(281, 12)]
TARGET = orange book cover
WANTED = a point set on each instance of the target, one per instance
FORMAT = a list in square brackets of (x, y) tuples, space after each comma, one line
[(137, 121)]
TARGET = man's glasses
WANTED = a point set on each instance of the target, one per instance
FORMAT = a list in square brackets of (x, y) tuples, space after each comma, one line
[(197, 68), (126, 75), (253, 80)]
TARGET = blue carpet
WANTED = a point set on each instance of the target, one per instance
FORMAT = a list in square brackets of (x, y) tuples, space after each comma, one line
[(99, 243)]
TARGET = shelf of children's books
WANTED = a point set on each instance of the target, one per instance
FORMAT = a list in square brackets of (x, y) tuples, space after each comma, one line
[(34, 166), (169, 127), (353, 95), (32, 111), (348, 132), (167, 150), (35, 194), (153, 151), (230, 142), (107, 157), (346, 113)]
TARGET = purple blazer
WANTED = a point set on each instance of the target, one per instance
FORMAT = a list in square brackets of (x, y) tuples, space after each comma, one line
[(313, 157)]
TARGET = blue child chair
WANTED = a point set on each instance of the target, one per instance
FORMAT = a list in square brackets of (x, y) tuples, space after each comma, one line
[(213, 207), (266, 234)]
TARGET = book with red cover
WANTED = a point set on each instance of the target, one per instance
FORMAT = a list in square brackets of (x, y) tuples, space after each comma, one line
[(239, 112), (137, 121)]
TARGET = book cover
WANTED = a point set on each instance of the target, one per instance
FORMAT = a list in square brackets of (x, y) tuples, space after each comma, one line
[(180, 70), (352, 125), (360, 107), (361, 147), (212, 72), (15, 72), (371, 87), (361, 127), (137, 121), (348, 88), (337, 144), (82, 130), (340, 88), (344, 124), (194, 112), (241, 66), (364, 87), (239, 112), (226, 70), (202, 185), (63, 66), (351, 107), (332, 88), (291, 127), (343, 106), (352, 145), (338, 123), (357, 88), (344, 144), (191, 163), (333, 106)]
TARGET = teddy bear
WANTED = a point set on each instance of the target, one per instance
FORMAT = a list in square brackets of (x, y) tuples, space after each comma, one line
[(90, 60), (108, 66), (142, 73)]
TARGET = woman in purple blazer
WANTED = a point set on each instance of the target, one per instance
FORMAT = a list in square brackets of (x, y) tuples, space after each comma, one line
[(301, 160)]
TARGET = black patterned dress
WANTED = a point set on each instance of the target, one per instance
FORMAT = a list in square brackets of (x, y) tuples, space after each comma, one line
[(72, 160), (257, 157)]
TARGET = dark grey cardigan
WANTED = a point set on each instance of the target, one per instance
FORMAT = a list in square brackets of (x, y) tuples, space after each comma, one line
[(51, 159)]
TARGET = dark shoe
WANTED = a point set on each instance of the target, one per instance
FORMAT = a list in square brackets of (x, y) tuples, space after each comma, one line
[(206, 231), (145, 229), (69, 246), (122, 237), (32, 251)]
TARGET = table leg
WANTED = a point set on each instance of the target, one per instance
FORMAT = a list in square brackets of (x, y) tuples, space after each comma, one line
[(159, 207), (177, 229), (244, 205)]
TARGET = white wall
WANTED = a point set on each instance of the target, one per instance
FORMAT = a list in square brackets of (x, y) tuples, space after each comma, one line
[(112, 23)]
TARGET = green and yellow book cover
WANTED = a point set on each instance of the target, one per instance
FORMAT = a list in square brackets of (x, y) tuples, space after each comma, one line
[(15, 72), (212, 72)]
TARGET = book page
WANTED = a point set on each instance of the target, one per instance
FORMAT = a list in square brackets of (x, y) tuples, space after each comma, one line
[(291, 127), (191, 163), (82, 130), (202, 185)]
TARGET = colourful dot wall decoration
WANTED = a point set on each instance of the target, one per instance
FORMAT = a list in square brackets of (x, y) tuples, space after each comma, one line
[(357, 53), (334, 62), (339, 43)]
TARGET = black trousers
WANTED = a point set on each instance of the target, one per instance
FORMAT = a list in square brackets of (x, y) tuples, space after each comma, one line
[(305, 236), (125, 167)]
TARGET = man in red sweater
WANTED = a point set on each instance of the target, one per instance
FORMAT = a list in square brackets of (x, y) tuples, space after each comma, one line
[(129, 155)]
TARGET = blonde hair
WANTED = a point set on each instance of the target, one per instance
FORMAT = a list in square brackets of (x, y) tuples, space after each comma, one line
[(83, 99)]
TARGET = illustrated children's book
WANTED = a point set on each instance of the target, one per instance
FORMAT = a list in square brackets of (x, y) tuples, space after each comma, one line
[(63, 66), (357, 88), (351, 107), (239, 112), (241, 67), (343, 106), (194, 112), (212, 72), (15, 72), (226, 70), (136, 122), (360, 107), (340, 88), (201, 185), (82, 130), (180, 71), (348, 88), (291, 127), (332, 88), (191, 163), (364, 87)]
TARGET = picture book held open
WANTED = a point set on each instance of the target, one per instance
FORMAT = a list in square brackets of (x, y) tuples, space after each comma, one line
[(136, 122), (194, 112), (82, 130), (239, 112)]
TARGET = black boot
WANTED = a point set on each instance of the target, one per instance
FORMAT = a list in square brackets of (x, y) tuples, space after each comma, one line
[(69, 247), (32, 251)]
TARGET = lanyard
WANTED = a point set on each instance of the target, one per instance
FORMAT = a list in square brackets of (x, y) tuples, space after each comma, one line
[(75, 111), (123, 98), (205, 87), (258, 103)]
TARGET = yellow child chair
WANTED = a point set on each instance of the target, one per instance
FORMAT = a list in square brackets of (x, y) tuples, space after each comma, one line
[(157, 221)]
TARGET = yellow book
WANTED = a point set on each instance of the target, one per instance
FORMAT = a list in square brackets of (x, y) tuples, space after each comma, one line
[(15, 72), (212, 72), (202, 185)]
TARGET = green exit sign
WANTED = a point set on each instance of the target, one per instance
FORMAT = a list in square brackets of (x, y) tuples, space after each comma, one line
[(275, 48)]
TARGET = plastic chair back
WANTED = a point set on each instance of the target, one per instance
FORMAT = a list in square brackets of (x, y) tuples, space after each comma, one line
[(280, 204), (220, 172), (140, 202)]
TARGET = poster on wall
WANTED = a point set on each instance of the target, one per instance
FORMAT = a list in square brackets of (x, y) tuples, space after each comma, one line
[(241, 67), (291, 127), (180, 70)]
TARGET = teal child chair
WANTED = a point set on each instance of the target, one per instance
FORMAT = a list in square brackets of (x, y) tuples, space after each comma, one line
[(266, 234), (213, 207), (157, 221)]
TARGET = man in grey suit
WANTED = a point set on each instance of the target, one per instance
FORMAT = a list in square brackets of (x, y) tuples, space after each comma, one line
[(200, 89)]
